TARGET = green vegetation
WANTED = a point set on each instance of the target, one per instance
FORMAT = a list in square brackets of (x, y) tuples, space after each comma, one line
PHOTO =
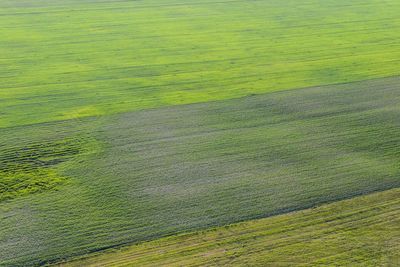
[(363, 231), (68, 59), (165, 171), (29, 169), (33, 157), (110, 135)]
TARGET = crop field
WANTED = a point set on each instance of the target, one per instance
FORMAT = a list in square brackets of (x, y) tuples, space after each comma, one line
[(123, 122), (177, 169), (363, 231), (62, 59)]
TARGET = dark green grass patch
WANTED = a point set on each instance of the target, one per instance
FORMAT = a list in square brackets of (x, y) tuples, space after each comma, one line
[(181, 168)]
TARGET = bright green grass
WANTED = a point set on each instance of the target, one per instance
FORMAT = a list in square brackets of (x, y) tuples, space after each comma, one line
[(28, 167), (63, 59), (171, 170), (363, 231)]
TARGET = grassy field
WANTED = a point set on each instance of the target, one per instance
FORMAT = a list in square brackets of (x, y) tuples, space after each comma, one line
[(363, 231), (159, 172), (67, 59), (127, 121)]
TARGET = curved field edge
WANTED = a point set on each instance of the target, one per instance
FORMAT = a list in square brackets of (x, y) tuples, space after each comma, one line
[(362, 231), (69, 59)]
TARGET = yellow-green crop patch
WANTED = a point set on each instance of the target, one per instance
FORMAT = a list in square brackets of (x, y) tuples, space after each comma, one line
[(363, 231), (32, 168), (32, 157), (66, 59)]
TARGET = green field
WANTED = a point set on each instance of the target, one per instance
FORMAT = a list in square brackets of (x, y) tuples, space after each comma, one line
[(66, 59), (363, 231), (128, 121), (159, 172)]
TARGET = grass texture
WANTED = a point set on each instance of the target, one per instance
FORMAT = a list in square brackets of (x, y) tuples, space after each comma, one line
[(33, 157), (160, 172), (71, 59), (362, 231)]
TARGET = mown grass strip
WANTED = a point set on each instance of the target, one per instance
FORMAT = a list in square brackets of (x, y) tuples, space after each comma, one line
[(363, 231)]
